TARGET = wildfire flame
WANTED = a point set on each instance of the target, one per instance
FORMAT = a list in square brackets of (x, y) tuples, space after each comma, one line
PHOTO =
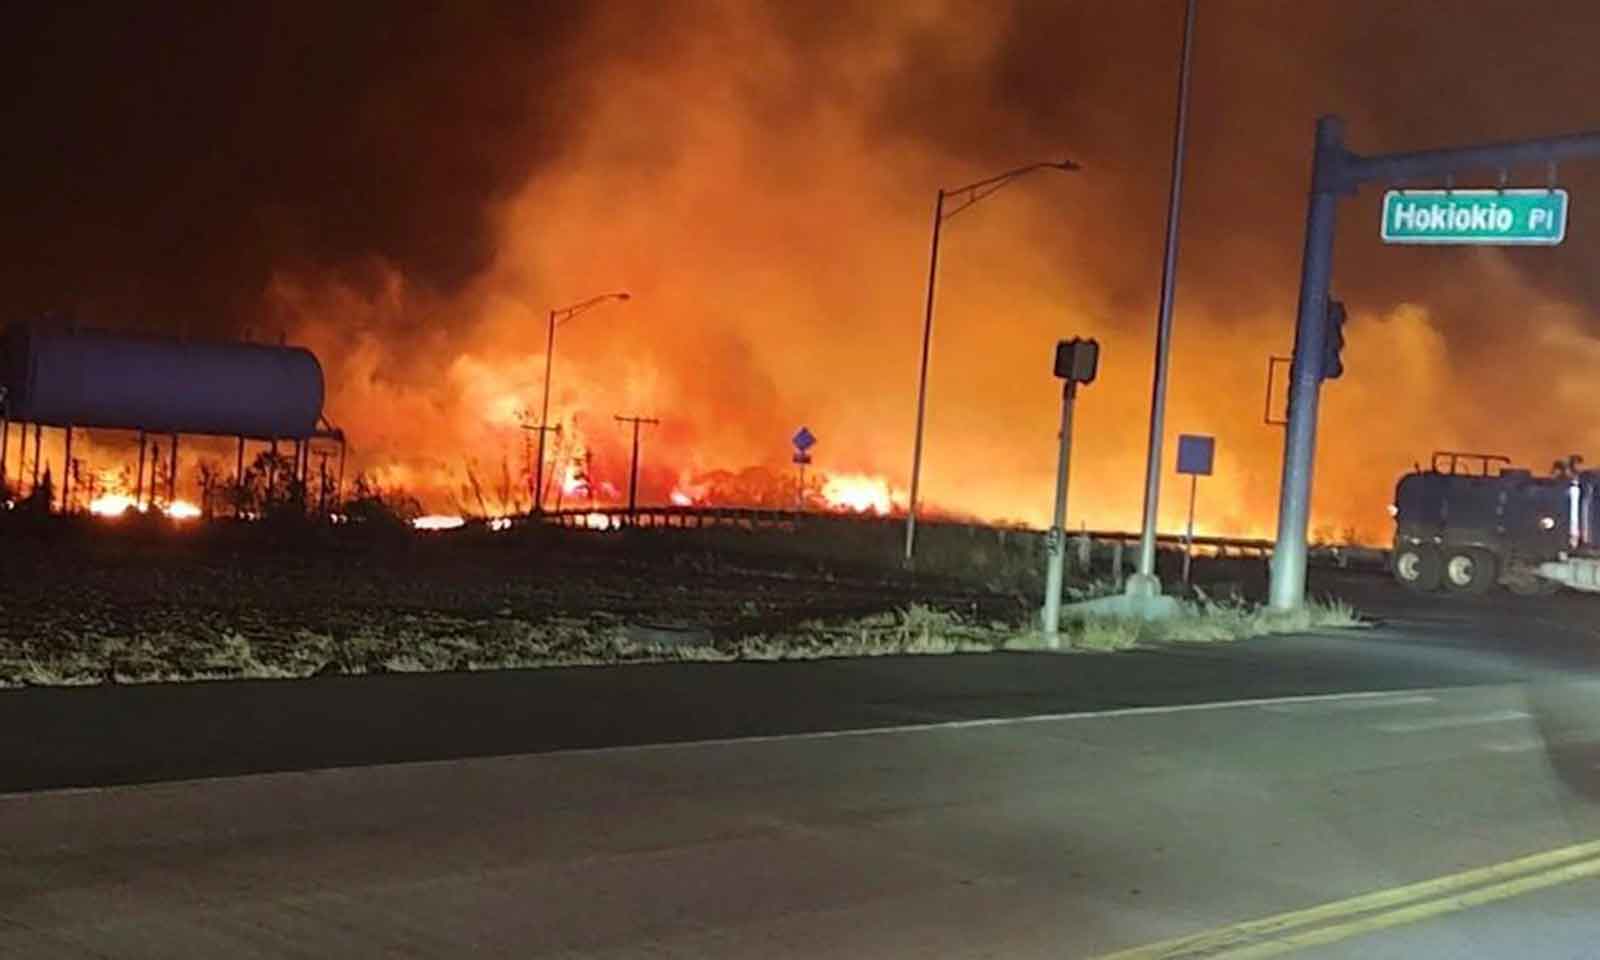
[(117, 504), (858, 493), (681, 499), (574, 482), (112, 505)]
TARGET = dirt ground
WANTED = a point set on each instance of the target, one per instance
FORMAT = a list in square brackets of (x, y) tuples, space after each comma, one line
[(88, 600), (92, 601)]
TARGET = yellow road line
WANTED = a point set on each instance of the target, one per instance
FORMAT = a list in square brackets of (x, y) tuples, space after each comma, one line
[(1420, 911), (1345, 918)]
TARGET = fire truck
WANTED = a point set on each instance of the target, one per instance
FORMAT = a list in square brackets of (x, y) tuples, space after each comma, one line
[(1472, 521)]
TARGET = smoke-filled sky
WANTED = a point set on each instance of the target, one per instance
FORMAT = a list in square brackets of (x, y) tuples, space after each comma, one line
[(409, 188)]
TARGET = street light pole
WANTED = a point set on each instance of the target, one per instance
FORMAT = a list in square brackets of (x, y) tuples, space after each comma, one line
[(565, 313), (544, 418), (922, 380), (1146, 582), (965, 197)]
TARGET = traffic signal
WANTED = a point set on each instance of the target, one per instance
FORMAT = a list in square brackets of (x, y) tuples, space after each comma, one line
[(1333, 341), (1077, 360)]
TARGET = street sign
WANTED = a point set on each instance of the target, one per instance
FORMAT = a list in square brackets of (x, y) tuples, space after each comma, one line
[(1194, 454), (1485, 217), (803, 440), (802, 458), (1194, 458)]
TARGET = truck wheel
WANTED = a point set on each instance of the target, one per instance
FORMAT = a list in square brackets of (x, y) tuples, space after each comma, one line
[(1417, 568), (1469, 570)]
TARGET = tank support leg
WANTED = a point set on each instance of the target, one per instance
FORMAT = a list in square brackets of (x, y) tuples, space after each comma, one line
[(138, 485), (66, 472)]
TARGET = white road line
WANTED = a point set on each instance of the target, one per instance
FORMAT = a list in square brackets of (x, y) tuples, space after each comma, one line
[(1442, 723), (1513, 746), (854, 732), (1344, 705)]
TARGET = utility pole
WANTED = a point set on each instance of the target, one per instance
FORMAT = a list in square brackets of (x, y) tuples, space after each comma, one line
[(633, 471), (536, 477)]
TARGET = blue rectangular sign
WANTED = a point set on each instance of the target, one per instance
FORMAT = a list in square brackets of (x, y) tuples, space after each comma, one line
[(1195, 454)]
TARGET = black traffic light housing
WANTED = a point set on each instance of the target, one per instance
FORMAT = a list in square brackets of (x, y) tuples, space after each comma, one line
[(1333, 341), (1077, 360)]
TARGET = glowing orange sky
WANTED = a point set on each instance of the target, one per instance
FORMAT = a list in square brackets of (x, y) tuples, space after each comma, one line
[(762, 184)]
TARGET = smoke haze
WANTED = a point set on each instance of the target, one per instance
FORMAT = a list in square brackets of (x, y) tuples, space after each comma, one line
[(409, 188)]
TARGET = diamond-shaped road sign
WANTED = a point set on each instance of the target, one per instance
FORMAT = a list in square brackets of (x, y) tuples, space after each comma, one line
[(803, 440)]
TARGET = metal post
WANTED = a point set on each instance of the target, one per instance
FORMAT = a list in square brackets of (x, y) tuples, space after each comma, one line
[(1188, 535), (38, 441), (1146, 580), (138, 484), (1305, 373), (155, 472), (238, 466), (1058, 534), (922, 382), (338, 483), (66, 471), (544, 417), (800, 494)]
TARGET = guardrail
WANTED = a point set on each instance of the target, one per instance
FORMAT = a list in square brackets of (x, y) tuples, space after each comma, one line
[(610, 519)]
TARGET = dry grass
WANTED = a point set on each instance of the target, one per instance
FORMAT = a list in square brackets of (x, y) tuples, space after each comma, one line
[(914, 630), (218, 644), (1206, 621), (416, 643)]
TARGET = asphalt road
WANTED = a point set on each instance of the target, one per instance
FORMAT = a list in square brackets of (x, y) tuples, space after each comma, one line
[(1249, 829), (991, 805), (109, 735)]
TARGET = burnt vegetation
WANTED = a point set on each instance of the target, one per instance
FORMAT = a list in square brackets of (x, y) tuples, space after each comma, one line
[(141, 598)]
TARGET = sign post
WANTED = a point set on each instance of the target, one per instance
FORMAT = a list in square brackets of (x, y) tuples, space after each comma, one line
[(1076, 362), (803, 441), (1195, 455)]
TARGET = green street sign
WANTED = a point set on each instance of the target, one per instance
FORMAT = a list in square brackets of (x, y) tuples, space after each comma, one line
[(1486, 217)]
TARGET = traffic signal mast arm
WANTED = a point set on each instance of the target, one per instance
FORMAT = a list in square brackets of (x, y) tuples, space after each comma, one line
[(1337, 171), (1341, 171)]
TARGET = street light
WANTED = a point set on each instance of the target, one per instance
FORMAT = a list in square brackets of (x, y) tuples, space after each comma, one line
[(965, 197), (556, 316)]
